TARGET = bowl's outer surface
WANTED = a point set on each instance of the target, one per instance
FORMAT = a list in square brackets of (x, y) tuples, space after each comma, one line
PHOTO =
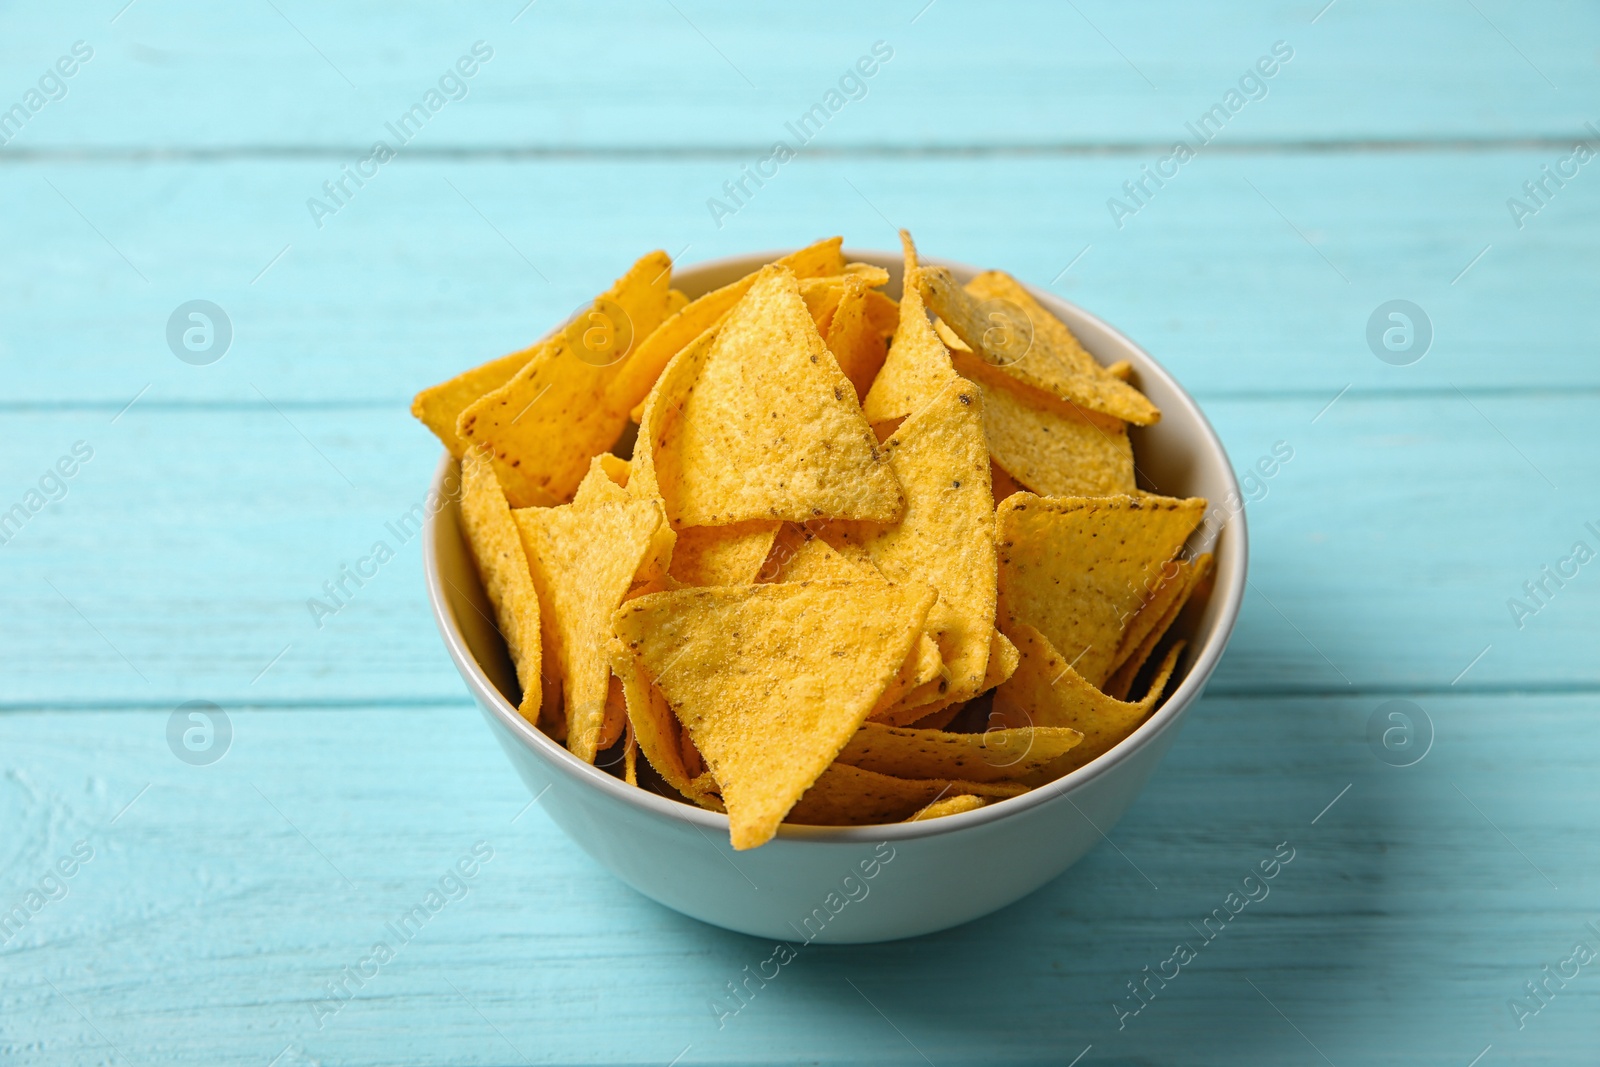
[(867, 883)]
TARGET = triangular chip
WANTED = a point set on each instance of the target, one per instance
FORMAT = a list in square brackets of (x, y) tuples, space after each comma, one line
[(1002, 484), (1153, 620), (1054, 451), (918, 366), (772, 680), (584, 558), (439, 407), (722, 555), (855, 341), (771, 429), (1077, 568), (652, 354), (798, 555), (655, 729), (949, 806), (994, 756), (946, 536), (1046, 691), (848, 796), (503, 566), (544, 425), (1014, 333), (920, 706), (922, 665)]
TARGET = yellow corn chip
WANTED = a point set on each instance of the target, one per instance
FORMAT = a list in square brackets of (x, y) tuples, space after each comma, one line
[(616, 468), (949, 806), (651, 355), (503, 566), (722, 555), (1046, 691), (1077, 568), (772, 680), (923, 706), (922, 665), (584, 557), (1013, 332), (616, 717), (798, 555), (946, 536), (1120, 369), (439, 407), (1051, 451), (630, 759), (848, 796), (1153, 620), (855, 342), (918, 366), (545, 424), (1002, 484), (655, 729), (995, 756), (771, 429)]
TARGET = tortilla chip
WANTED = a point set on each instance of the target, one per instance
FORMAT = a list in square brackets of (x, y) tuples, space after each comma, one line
[(651, 356), (848, 796), (994, 756), (655, 729), (503, 566), (1051, 451), (1153, 620), (630, 759), (585, 556), (722, 555), (798, 555), (942, 718), (1007, 328), (439, 407), (616, 468), (918, 366), (1046, 691), (770, 681), (946, 537), (858, 345), (949, 806), (771, 429), (545, 424), (1077, 568), (923, 664), (1120, 369), (923, 706), (616, 716)]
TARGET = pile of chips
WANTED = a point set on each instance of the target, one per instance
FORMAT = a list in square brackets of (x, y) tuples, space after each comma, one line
[(754, 538)]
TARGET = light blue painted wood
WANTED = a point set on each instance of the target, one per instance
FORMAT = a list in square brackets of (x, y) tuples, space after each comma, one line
[(1415, 506), (1243, 275)]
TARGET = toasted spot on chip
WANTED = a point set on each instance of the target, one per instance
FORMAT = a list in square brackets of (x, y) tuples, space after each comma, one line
[(1047, 691), (770, 681), (1053, 451), (544, 425), (946, 536), (997, 755), (849, 796), (584, 558), (439, 407), (770, 429), (1010, 330), (949, 806), (651, 356), (722, 555), (503, 566), (1077, 568)]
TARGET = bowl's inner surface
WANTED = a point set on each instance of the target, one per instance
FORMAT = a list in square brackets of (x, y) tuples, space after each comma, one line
[(1178, 456)]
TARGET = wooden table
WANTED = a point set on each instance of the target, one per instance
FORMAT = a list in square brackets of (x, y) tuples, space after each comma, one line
[(219, 902)]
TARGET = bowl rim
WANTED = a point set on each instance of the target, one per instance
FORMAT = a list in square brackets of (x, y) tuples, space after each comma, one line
[(1229, 600)]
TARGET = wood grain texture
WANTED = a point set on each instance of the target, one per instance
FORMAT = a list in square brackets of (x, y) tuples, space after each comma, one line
[(1419, 500), (213, 954)]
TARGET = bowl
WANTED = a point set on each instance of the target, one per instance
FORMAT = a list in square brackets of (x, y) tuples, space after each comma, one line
[(872, 883)]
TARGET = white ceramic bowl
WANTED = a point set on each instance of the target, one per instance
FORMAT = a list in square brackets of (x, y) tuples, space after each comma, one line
[(875, 883)]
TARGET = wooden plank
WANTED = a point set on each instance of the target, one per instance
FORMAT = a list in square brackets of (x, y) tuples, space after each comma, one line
[(181, 562), (216, 906), (1243, 275), (713, 73)]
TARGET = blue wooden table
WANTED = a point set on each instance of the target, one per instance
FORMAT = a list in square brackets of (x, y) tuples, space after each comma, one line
[(1422, 546)]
